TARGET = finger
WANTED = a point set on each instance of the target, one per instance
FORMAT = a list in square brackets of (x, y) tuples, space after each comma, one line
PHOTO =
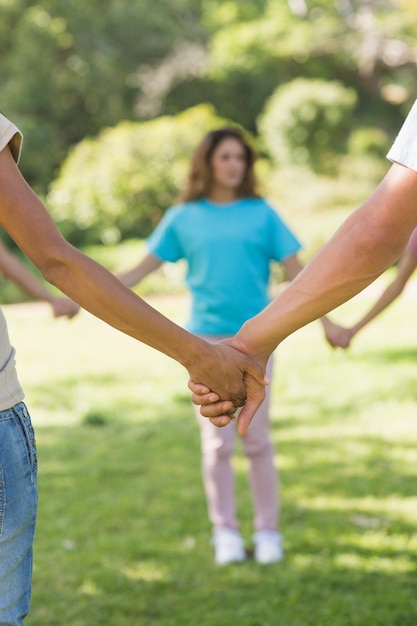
[(205, 399), (198, 388), (258, 374), (246, 414), (222, 420), (218, 409), (256, 395)]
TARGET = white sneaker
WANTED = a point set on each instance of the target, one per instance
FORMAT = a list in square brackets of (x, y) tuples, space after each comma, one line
[(228, 546), (268, 546)]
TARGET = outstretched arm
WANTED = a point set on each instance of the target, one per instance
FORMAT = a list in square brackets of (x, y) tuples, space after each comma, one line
[(406, 267), (146, 266), (368, 242), (336, 335), (26, 220), (14, 270)]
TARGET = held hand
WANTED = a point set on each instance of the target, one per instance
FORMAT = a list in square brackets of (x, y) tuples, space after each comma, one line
[(64, 307), (338, 336), (222, 368), (222, 412), (255, 397)]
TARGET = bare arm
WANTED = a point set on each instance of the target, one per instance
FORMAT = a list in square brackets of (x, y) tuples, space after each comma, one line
[(336, 335), (146, 266), (14, 270), (406, 267), (26, 220), (368, 242)]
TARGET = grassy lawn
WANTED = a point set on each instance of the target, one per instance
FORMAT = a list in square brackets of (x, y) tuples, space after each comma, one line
[(123, 535)]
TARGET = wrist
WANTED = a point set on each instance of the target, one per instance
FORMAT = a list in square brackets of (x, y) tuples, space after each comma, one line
[(354, 330), (244, 342), (325, 322), (192, 350)]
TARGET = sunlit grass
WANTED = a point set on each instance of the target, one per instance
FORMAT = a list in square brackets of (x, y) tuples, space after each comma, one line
[(123, 536)]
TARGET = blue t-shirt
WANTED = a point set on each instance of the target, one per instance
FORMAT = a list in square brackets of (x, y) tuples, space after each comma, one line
[(228, 249)]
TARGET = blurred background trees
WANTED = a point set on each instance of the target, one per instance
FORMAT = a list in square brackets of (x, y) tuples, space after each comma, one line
[(119, 183), (112, 95)]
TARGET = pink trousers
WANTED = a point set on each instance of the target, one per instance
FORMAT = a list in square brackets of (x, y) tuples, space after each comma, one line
[(218, 446)]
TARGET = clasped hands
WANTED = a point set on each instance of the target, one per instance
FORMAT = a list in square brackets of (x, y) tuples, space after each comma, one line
[(234, 385)]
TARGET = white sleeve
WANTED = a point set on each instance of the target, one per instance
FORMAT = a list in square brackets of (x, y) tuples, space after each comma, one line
[(10, 135), (404, 148)]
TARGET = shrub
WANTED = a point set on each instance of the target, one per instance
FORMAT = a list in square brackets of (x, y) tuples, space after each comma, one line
[(368, 141), (118, 184), (307, 122)]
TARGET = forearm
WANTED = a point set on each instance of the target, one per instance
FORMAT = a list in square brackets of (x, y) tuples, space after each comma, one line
[(368, 243), (405, 269), (218, 366), (89, 284), (332, 331), (86, 282), (387, 298), (25, 219), (21, 276), (147, 265)]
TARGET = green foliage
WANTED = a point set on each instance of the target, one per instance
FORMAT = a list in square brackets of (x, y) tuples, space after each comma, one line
[(306, 122), (368, 48), (120, 183), (368, 141), (72, 68)]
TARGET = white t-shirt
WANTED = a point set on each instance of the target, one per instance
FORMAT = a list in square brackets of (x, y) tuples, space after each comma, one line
[(10, 390), (404, 148)]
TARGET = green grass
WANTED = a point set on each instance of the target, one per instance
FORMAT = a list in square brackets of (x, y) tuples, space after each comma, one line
[(123, 535)]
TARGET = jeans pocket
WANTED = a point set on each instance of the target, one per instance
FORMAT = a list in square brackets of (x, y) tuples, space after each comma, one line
[(23, 421)]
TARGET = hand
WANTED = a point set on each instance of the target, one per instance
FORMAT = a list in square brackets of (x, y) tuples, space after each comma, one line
[(224, 369), (338, 336), (221, 413), (223, 410), (64, 307)]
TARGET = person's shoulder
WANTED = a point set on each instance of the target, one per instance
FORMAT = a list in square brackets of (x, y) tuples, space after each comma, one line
[(178, 212), (4, 121), (264, 204), (182, 207), (272, 213)]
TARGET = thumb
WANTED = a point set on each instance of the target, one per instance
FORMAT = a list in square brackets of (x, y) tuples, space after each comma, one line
[(258, 373), (255, 397), (246, 414)]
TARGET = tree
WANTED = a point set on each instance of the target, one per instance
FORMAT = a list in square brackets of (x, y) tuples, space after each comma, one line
[(71, 68), (368, 46), (118, 184), (307, 122)]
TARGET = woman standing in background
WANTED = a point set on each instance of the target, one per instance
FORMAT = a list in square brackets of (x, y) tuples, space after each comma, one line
[(228, 236)]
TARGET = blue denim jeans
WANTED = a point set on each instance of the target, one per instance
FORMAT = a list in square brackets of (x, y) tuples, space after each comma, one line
[(18, 509)]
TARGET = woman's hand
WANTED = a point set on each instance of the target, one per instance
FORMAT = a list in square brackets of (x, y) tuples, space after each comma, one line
[(221, 409), (337, 336), (64, 307), (224, 369)]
